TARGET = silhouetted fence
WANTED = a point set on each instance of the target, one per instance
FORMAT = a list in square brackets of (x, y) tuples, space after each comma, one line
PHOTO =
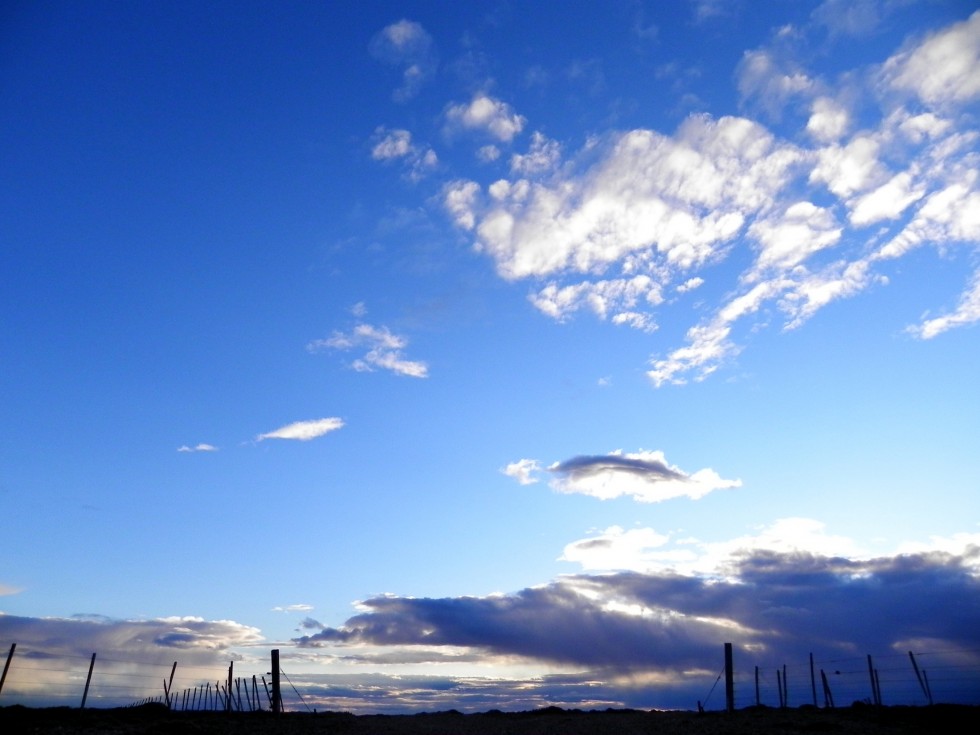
[(911, 678), (41, 679)]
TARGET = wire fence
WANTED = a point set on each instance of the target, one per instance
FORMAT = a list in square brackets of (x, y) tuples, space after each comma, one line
[(39, 678), (919, 678)]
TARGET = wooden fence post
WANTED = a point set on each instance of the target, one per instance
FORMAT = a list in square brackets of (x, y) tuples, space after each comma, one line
[(276, 692), (757, 686), (88, 681)]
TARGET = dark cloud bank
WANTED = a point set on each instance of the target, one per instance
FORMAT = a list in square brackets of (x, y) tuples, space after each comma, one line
[(656, 639), (626, 639)]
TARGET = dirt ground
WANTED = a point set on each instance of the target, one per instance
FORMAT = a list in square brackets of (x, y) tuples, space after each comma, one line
[(155, 720)]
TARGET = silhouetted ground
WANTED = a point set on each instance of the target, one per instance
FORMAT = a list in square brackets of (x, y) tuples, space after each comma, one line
[(155, 720)]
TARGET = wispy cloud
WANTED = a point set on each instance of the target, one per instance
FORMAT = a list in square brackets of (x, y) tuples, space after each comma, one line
[(300, 607), (197, 448), (408, 45), (384, 350), (645, 476), (304, 430)]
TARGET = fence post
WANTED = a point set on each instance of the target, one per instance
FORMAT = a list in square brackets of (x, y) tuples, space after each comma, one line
[(276, 692), (779, 687), (813, 682), (88, 681), (6, 666), (785, 688), (757, 686), (231, 666), (168, 685), (729, 680), (871, 675)]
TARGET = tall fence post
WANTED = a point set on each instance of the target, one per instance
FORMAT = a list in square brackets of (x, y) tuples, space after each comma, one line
[(276, 693), (88, 680), (813, 682), (231, 666), (13, 647), (729, 680)]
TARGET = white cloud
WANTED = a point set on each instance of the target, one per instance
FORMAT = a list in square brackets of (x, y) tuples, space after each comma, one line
[(304, 430), (542, 157), (384, 350), (488, 115), (675, 199), (690, 284), (942, 69), (197, 448), (397, 145), (770, 82), (408, 45), (790, 237), (888, 201), (617, 549), (300, 607), (966, 312), (488, 153), (849, 169), (394, 144), (523, 470), (828, 120), (459, 199), (613, 299)]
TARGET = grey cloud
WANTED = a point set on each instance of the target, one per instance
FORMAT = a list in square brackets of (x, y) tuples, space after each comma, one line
[(782, 605), (590, 465)]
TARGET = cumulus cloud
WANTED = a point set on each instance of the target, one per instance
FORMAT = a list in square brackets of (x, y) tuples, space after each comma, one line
[(384, 350), (408, 45), (637, 215), (304, 430), (941, 69), (487, 115), (645, 476), (396, 145), (523, 470), (197, 448)]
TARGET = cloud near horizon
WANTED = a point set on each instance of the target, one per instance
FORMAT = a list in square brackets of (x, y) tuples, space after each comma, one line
[(638, 214), (644, 476), (775, 605)]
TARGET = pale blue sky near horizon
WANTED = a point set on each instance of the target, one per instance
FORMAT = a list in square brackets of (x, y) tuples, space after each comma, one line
[(305, 304)]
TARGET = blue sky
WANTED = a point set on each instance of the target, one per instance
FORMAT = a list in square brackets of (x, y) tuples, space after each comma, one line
[(524, 351)]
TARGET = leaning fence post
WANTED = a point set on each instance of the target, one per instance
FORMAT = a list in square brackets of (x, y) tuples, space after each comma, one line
[(871, 675), (6, 666), (88, 681)]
